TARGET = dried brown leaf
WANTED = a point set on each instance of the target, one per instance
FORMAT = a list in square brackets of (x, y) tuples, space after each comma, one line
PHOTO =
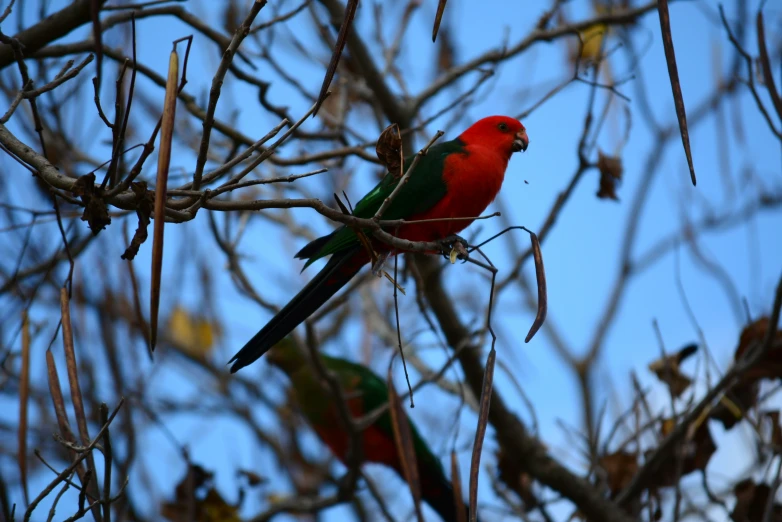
[(141, 323), (611, 165), (389, 150), (214, 508), (196, 500), (744, 394), (770, 367), (667, 370), (620, 468), (144, 205), (253, 479), (730, 410), (751, 503), (692, 454), (96, 211), (772, 418), (186, 494), (611, 171)]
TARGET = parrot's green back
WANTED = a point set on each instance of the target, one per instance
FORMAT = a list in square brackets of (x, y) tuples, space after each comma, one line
[(424, 188), (356, 380), (375, 394)]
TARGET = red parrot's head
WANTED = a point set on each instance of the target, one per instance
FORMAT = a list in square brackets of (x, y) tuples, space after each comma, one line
[(503, 132)]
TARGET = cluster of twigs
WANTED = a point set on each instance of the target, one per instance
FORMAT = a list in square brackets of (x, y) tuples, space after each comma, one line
[(95, 493)]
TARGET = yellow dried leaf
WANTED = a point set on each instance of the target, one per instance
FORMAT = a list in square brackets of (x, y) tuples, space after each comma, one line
[(589, 50), (195, 335), (215, 509)]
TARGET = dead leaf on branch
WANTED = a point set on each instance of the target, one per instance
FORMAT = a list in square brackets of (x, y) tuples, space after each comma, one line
[(775, 436), (586, 49), (692, 454), (751, 503), (770, 366), (744, 395), (253, 479), (145, 201), (667, 370), (389, 150), (194, 334), (197, 500), (96, 212), (611, 171), (730, 410), (620, 468)]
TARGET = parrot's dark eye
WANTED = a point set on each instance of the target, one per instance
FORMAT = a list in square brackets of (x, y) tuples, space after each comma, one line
[(503, 127)]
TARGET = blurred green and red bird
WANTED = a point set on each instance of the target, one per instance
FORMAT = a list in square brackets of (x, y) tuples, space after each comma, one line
[(365, 392), (455, 179)]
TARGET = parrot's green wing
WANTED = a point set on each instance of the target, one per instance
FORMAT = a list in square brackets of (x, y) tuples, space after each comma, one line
[(374, 392), (424, 189)]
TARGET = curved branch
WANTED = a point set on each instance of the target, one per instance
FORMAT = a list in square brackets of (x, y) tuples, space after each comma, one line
[(49, 29)]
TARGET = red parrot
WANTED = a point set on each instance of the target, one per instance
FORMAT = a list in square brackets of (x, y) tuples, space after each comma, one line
[(455, 179), (366, 392)]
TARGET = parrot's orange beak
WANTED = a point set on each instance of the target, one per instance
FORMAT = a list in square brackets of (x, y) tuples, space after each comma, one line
[(520, 141)]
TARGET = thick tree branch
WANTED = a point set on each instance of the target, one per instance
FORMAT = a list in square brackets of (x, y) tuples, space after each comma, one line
[(511, 434), (51, 28)]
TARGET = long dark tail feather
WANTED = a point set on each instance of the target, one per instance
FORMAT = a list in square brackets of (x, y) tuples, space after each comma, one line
[(438, 493), (338, 271), (313, 247)]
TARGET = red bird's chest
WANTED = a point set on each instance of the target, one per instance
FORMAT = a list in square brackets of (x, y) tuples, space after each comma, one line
[(377, 446), (473, 179)]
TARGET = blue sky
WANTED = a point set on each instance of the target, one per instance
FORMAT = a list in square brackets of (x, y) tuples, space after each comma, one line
[(581, 254)]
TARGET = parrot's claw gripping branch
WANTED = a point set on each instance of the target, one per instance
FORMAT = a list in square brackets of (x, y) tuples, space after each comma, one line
[(455, 247)]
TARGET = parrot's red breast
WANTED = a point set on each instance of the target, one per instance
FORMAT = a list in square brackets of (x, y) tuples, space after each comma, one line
[(473, 177)]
